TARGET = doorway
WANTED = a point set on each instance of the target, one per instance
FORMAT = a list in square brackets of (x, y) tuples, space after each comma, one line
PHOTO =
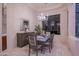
[(4, 26)]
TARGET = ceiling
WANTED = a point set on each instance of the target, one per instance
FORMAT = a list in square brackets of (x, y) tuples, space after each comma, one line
[(44, 6)]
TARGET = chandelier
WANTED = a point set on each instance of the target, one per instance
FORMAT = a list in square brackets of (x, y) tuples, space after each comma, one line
[(43, 17)]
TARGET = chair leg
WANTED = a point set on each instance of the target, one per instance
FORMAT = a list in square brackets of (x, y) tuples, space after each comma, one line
[(49, 49), (29, 51), (52, 45), (36, 52), (41, 50)]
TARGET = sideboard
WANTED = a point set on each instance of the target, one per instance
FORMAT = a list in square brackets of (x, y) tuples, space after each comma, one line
[(22, 39)]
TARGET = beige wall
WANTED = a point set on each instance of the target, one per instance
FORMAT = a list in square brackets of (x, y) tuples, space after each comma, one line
[(63, 20), (0, 26), (71, 19), (15, 14), (67, 26), (67, 20), (73, 41)]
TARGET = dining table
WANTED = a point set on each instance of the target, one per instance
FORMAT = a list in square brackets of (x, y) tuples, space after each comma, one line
[(41, 39)]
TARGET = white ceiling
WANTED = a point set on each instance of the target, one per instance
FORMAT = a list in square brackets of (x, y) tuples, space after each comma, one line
[(44, 6)]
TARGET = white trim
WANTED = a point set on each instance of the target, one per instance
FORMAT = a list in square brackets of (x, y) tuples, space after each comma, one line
[(74, 38)]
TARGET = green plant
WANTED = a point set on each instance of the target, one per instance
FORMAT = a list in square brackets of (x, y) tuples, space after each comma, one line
[(38, 29)]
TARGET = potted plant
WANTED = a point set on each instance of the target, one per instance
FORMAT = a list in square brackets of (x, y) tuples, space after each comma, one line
[(38, 29)]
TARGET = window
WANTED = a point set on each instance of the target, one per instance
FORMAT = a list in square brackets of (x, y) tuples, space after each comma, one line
[(53, 24), (77, 20)]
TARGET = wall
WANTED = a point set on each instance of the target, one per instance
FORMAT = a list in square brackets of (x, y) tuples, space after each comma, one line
[(15, 14), (73, 41), (63, 21), (0, 26), (71, 18), (67, 20)]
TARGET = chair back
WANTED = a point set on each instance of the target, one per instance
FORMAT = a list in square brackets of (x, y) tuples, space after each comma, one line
[(51, 39), (32, 39)]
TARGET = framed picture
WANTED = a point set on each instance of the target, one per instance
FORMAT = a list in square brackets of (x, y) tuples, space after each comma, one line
[(24, 26)]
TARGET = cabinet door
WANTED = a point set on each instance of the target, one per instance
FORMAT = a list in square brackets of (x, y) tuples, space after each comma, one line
[(19, 40), (4, 42), (22, 39)]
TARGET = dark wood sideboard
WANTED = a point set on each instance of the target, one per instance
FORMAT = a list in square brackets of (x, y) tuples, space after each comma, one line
[(22, 39)]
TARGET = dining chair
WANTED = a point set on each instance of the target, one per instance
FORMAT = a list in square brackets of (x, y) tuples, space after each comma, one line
[(33, 43), (49, 43)]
